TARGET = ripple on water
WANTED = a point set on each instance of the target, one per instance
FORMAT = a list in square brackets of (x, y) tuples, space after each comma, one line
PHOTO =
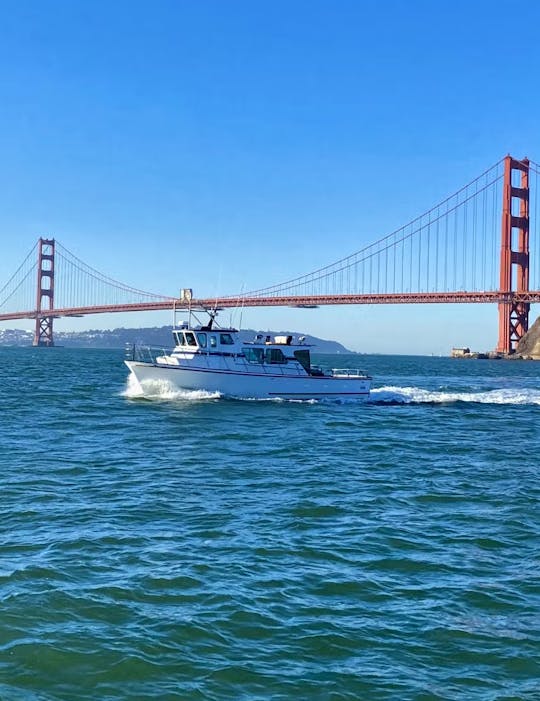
[(195, 548)]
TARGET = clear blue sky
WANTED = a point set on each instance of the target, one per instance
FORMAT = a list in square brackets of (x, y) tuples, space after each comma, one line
[(227, 145)]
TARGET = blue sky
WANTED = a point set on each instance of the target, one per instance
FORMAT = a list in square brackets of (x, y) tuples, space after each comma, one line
[(230, 145)]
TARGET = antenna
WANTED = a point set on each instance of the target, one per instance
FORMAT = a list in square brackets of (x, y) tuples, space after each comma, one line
[(242, 307)]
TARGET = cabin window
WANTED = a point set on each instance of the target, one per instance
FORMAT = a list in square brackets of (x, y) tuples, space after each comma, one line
[(303, 358), (226, 339), (213, 341), (274, 355), (190, 338), (178, 338), (254, 355), (201, 337)]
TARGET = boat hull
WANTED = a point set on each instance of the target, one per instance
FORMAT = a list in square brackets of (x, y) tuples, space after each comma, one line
[(232, 383)]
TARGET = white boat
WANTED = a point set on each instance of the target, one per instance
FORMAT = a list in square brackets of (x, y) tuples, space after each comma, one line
[(219, 360)]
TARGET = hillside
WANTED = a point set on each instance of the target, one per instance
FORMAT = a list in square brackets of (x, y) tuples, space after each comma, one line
[(529, 346), (151, 336)]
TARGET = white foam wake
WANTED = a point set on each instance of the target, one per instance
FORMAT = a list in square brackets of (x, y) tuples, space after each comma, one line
[(161, 389), (416, 395)]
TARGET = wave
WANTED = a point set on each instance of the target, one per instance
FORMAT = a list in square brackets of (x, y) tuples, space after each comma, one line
[(161, 389), (417, 395)]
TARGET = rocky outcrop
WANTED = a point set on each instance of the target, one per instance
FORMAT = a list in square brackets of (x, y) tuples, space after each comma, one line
[(529, 346)]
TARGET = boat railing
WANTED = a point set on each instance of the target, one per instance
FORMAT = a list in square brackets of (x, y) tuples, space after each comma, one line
[(349, 372), (285, 369), (145, 354)]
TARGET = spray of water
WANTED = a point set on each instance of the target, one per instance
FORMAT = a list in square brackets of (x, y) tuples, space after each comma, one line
[(416, 395), (163, 390)]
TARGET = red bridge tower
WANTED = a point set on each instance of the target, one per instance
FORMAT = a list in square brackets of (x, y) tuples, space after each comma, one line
[(514, 315), (43, 335)]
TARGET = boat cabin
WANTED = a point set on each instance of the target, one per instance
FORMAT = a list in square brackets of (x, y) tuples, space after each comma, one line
[(263, 349)]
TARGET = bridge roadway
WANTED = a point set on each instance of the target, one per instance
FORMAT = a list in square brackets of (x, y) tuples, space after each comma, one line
[(306, 301)]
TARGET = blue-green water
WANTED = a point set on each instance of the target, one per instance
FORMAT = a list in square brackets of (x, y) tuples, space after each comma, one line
[(187, 548)]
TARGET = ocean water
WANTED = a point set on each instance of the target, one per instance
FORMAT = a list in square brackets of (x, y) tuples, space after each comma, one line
[(184, 546)]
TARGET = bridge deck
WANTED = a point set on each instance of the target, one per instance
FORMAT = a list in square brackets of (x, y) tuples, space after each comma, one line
[(305, 301)]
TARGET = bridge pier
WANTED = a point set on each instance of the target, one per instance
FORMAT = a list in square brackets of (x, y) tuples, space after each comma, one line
[(43, 335), (514, 316)]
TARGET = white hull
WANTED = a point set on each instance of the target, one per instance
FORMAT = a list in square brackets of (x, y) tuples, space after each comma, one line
[(251, 384)]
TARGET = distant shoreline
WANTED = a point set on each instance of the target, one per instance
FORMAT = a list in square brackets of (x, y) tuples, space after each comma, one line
[(152, 336)]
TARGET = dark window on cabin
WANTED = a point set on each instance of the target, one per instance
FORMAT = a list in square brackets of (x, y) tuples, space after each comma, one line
[(213, 341), (190, 338), (303, 358), (201, 337), (226, 339), (254, 355), (178, 338), (275, 356)]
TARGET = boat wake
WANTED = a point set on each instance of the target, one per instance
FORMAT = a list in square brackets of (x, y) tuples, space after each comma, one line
[(416, 395), (163, 390), (388, 395)]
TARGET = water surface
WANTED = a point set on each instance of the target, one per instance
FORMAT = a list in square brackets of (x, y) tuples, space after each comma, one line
[(183, 547)]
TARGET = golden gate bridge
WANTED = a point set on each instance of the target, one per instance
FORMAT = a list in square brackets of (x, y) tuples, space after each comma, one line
[(473, 247)]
